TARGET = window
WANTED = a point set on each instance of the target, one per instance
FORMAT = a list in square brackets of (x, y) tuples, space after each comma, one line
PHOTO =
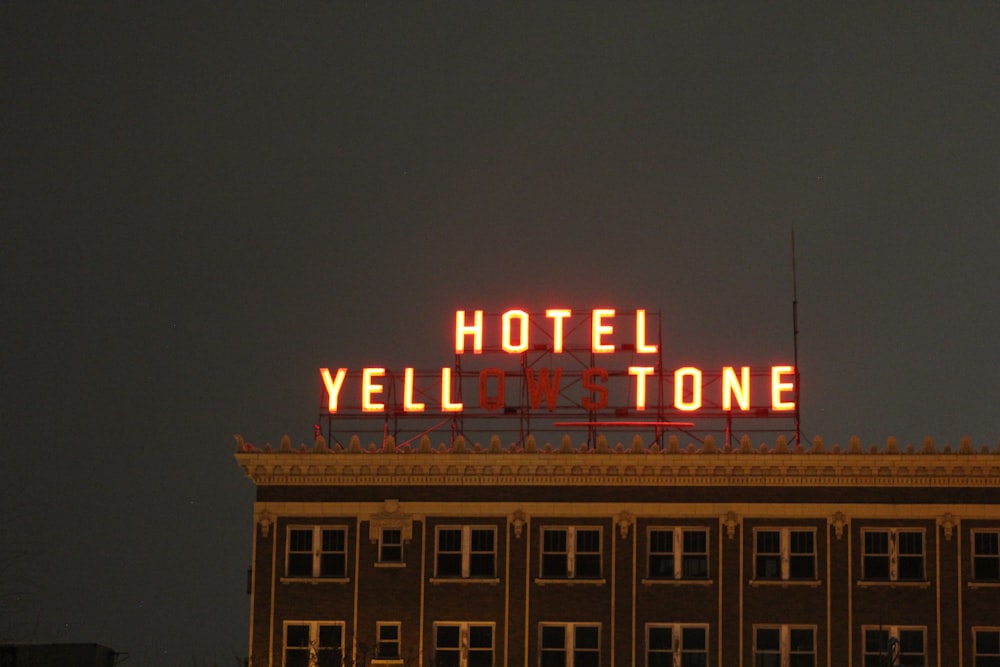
[(570, 644), (571, 553), (894, 646), (678, 553), (463, 645), (785, 553), (986, 647), (390, 545), (466, 551), (313, 644), (985, 555), (893, 555), (316, 551), (689, 643), (388, 644), (784, 646)]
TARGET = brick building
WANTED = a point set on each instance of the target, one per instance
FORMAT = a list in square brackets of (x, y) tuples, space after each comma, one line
[(685, 555)]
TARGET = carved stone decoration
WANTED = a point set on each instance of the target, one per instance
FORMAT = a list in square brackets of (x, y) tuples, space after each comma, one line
[(265, 520), (624, 521), (838, 521), (518, 519), (948, 522), (391, 516), (731, 521)]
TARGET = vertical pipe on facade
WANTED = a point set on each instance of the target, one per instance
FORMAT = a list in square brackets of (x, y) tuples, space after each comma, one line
[(423, 581)]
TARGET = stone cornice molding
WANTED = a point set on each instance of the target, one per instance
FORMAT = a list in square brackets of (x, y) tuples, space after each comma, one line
[(620, 469)]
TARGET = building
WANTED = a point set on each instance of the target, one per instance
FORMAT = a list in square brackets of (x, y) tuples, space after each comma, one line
[(680, 555)]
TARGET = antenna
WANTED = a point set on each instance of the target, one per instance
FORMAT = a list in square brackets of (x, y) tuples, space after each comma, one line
[(795, 348)]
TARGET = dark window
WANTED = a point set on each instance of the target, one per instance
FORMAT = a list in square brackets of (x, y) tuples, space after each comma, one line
[(768, 564), (986, 556), (390, 548)]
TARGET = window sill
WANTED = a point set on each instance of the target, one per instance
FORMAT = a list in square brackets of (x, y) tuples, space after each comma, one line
[(390, 565), (591, 582), (784, 583), (677, 582), (983, 584), (315, 580), (387, 661), (465, 580), (863, 583)]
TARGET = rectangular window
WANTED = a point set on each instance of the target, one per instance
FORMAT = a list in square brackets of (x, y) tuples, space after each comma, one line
[(316, 551), (894, 645), (466, 552), (571, 553), (688, 644), (570, 644), (986, 647), (678, 553), (785, 553), (986, 555), (388, 645), (313, 644), (390, 545), (784, 646), (892, 555), (463, 645)]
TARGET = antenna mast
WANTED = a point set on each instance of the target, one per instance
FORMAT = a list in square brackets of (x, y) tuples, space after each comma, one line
[(795, 348)]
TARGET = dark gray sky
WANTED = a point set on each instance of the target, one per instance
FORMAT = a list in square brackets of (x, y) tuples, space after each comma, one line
[(204, 203)]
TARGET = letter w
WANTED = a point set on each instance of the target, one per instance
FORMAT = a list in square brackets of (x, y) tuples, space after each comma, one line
[(535, 389)]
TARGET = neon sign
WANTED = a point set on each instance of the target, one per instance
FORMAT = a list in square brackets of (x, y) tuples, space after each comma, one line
[(592, 379)]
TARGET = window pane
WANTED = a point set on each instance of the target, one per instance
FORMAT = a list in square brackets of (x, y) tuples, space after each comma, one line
[(586, 659), (448, 658), (554, 658), (876, 542), (554, 565), (986, 568), (801, 660), (554, 540), (910, 543), (801, 639), (661, 639), (588, 567), (297, 658), (449, 565), (768, 639), (988, 642), (911, 567), (588, 541), (553, 636), (876, 641), (768, 660), (876, 567), (481, 636), (768, 541), (447, 636), (661, 566), (482, 540), (660, 659), (695, 541), (388, 632), (330, 636), (300, 540), (986, 544), (694, 660), (329, 658), (768, 567), (480, 658), (450, 540), (694, 567), (586, 637), (911, 641), (801, 542), (300, 565), (481, 565), (661, 541), (332, 565), (297, 635), (333, 540), (693, 639), (802, 567), (391, 554)]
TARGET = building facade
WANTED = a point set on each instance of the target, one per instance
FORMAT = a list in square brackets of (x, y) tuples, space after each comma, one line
[(565, 555)]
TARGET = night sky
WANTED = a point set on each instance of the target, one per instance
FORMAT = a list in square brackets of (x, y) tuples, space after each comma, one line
[(203, 203)]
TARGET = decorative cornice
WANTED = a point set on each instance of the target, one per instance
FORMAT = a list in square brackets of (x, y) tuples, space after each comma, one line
[(839, 521), (620, 469)]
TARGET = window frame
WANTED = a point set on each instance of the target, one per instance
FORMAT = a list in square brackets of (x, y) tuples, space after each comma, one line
[(894, 633), (893, 556), (314, 633), (785, 647), (380, 641), (465, 647), (993, 659), (677, 641), (988, 557), (466, 552), (317, 552), (572, 553), (384, 544), (785, 554), (569, 647), (678, 554)]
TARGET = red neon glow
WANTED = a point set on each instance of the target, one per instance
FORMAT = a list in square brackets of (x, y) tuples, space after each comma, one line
[(543, 387), (695, 402), (475, 330), (640, 335), (446, 403), (640, 373), (522, 318), (626, 424), (738, 388), (600, 390), (600, 330), (333, 386), (408, 404), (778, 387), (486, 401), (557, 315), (368, 388)]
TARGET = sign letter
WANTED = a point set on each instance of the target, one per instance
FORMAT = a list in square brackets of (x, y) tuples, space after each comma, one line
[(778, 387), (333, 386), (599, 329), (739, 388), (695, 402), (475, 330)]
